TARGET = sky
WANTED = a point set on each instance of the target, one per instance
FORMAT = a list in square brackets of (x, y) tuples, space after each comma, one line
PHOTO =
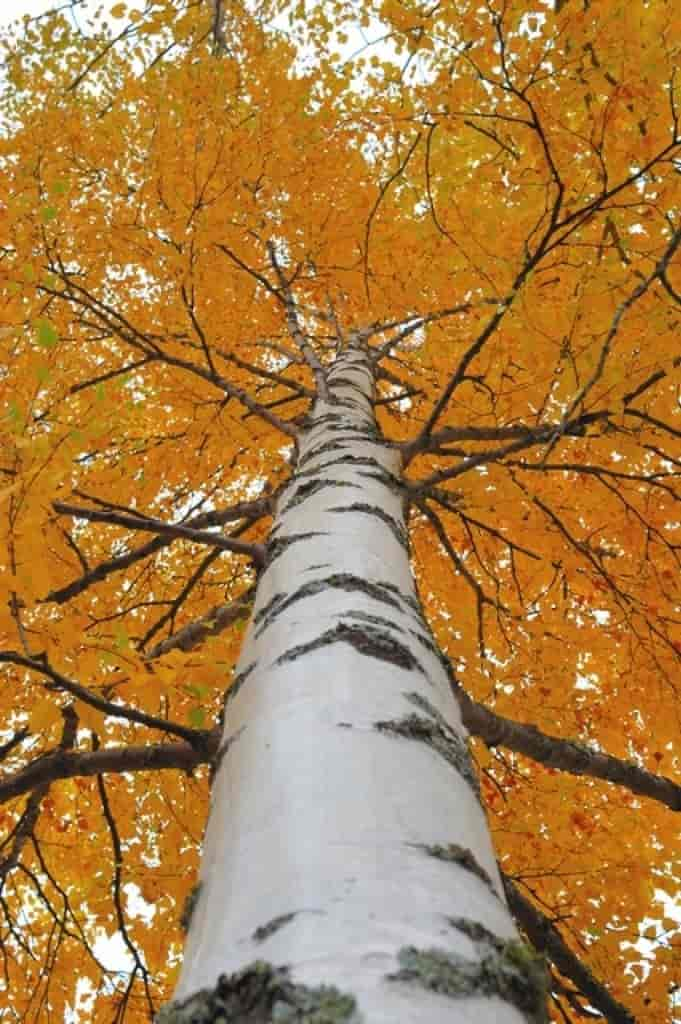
[(10, 10)]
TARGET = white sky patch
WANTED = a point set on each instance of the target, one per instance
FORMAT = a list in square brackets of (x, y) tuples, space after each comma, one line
[(14, 9)]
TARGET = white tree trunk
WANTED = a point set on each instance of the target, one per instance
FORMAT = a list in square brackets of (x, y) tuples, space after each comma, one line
[(346, 839)]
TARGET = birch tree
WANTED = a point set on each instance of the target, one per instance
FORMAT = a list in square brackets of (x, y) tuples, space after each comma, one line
[(339, 483)]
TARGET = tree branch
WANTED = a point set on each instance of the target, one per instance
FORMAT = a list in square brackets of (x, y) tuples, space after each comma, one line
[(60, 683), (213, 622), (565, 755), (546, 938), (256, 552), (252, 510), (61, 764)]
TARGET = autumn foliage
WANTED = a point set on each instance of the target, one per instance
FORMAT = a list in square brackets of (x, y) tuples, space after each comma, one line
[(196, 206)]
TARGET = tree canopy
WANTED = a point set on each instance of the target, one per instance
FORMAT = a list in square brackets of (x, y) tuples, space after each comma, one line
[(198, 203)]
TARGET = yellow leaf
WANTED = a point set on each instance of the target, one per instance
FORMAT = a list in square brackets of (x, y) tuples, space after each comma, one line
[(44, 714)]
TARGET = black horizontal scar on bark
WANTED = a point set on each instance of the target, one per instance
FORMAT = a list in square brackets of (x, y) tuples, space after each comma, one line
[(347, 403), (306, 490), (343, 460), (326, 418), (436, 733), (374, 620), (346, 382), (238, 682), (339, 444), (265, 930), (373, 643), (279, 545), (379, 620), (396, 528), (452, 853), (386, 479), (339, 581)]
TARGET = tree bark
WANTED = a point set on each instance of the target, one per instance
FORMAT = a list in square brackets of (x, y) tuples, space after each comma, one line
[(346, 845)]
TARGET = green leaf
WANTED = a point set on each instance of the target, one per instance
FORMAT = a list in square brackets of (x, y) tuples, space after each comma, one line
[(197, 716), (122, 640), (196, 690), (48, 213), (47, 334)]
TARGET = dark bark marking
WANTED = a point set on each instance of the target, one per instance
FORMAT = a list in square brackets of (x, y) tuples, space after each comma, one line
[(321, 419), (379, 620), (407, 599), (350, 404), (222, 750), (373, 620), (336, 422), (258, 994), (279, 545), (343, 460), (269, 609), (397, 530), (339, 581), (434, 731), (373, 643), (308, 489), (189, 907), (366, 436), (508, 970), (264, 931), (386, 479), (347, 382), (455, 854), (238, 682), (339, 444), (427, 642)]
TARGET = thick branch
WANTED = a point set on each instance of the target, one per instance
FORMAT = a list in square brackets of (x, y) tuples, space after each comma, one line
[(546, 938), (565, 755), (254, 551), (29, 818), (435, 442), (479, 459), (252, 510), (213, 622), (62, 764), (62, 684)]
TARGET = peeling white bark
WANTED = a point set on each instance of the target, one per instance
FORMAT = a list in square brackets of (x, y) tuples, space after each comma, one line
[(318, 818)]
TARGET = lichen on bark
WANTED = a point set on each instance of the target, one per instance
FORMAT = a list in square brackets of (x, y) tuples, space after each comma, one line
[(508, 970), (261, 994)]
